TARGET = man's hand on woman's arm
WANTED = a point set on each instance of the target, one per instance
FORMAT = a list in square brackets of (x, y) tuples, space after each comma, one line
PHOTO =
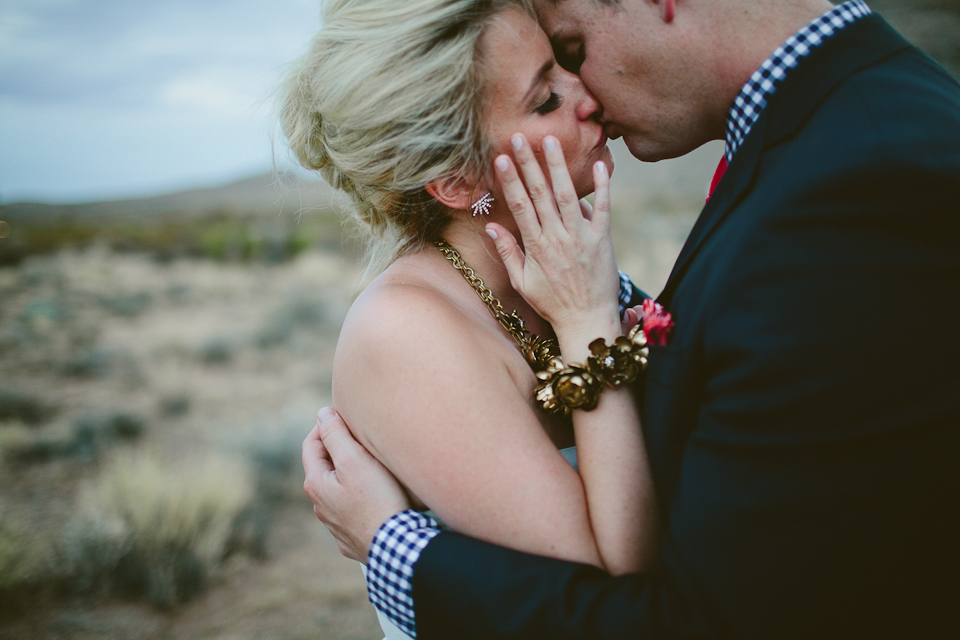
[(352, 493)]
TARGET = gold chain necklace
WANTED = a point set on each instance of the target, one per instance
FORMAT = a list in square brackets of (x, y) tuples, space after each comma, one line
[(537, 350)]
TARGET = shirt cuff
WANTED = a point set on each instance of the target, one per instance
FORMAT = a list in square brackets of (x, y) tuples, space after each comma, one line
[(395, 549)]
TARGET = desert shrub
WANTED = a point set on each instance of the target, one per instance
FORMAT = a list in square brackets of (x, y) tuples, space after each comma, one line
[(13, 434), (127, 304), (93, 363), (88, 437), (16, 405), (178, 292), (95, 433), (155, 529), (92, 545), (22, 446), (250, 531), (301, 309), (42, 314), (218, 350), (175, 406), (277, 461), (24, 561)]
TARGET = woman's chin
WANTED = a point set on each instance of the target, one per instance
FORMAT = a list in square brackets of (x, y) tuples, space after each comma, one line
[(586, 186)]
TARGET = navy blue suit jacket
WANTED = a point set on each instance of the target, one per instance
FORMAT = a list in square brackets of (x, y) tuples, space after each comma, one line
[(803, 424)]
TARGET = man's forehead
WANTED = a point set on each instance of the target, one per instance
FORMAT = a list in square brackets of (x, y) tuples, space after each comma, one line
[(557, 17)]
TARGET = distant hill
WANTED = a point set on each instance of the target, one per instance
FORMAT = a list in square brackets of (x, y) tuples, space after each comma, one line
[(256, 219), (267, 193)]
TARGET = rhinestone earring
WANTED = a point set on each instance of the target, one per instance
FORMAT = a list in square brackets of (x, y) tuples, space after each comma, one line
[(482, 206)]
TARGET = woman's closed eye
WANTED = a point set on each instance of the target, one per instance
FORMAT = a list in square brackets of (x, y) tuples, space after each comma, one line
[(552, 103)]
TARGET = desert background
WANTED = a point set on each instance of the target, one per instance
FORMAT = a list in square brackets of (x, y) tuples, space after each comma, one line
[(161, 360)]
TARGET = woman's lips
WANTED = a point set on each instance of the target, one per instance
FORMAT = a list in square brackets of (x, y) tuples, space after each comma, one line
[(603, 138)]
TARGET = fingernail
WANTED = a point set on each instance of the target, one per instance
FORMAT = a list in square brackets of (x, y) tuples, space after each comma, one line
[(325, 414), (491, 233), (517, 143), (601, 166), (502, 164), (549, 144)]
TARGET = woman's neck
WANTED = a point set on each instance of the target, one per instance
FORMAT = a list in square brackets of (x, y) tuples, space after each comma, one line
[(479, 252)]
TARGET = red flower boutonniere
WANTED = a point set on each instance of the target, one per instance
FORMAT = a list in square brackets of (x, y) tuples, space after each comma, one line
[(657, 323)]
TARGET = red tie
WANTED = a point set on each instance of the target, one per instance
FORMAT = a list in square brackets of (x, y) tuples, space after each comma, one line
[(721, 169)]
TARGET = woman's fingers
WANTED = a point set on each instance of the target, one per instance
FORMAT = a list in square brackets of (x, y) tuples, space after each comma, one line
[(539, 189), (586, 209), (601, 198), (517, 199), (564, 193), (509, 251)]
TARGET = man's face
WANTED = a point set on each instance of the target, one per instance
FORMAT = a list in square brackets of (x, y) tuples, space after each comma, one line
[(641, 69)]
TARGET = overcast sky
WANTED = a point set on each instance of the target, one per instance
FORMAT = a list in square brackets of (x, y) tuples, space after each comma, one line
[(103, 99)]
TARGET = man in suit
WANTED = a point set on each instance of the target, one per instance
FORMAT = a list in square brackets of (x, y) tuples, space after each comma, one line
[(803, 424)]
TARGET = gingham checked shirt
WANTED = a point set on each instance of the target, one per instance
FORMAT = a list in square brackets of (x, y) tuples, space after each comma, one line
[(399, 542)]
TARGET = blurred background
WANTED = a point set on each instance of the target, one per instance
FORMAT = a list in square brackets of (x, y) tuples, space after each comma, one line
[(171, 290)]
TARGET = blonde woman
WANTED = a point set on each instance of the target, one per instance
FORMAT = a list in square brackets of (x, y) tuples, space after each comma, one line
[(406, 105)]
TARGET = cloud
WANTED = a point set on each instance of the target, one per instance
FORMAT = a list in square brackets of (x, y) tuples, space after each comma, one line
[(187, 71)]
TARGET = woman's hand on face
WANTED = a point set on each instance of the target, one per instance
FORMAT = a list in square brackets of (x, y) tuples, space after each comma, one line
[(566, 269)]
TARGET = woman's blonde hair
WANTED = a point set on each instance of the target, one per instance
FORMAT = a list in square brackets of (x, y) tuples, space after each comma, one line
[(387, 99)]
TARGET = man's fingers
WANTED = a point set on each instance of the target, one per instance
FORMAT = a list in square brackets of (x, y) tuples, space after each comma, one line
[(518, 201), (630, 319), (313, 454), (336, 437), (509, 251), (537, 186), (564, 193)]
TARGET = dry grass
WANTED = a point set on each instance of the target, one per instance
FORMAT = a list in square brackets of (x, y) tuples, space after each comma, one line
[(23, 557), (158, 527)]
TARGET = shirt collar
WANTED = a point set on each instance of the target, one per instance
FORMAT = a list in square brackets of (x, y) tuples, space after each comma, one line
[(765, 80)]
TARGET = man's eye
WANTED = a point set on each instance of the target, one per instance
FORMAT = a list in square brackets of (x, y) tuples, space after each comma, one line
[(552, 104), (570, 57)]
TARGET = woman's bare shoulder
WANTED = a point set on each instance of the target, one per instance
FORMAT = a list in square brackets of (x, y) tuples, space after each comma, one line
[(406, 329), (404, 303)]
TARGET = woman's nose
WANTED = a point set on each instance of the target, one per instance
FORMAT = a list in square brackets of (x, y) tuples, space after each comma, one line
[(587, 106)]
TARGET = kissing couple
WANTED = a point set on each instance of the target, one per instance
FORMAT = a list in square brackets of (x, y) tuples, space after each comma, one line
[(535, 448)]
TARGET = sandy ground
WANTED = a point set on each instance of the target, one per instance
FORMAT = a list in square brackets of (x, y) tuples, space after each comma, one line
[(249, 350)]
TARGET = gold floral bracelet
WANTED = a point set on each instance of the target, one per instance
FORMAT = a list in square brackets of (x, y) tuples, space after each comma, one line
[(563, 388)]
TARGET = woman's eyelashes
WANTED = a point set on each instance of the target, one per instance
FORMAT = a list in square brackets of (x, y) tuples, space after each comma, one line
[(551, 104)]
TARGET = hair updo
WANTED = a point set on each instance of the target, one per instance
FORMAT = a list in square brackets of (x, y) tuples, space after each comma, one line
[(388, 98)]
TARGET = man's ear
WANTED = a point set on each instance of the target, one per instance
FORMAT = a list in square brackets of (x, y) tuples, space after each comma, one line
[(452, 192)]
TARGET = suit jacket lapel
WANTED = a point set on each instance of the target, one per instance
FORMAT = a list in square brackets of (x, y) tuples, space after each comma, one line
[(863, 43), (735, 181)]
